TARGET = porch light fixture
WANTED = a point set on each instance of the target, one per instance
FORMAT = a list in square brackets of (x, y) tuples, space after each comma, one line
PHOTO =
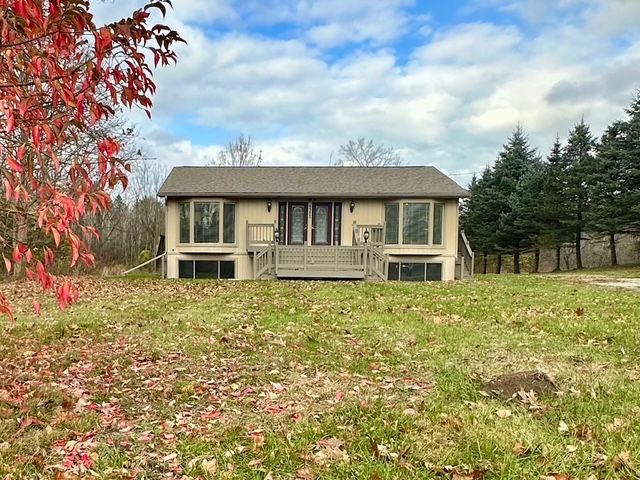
[(366, 235), (268, 205), (352, 206)]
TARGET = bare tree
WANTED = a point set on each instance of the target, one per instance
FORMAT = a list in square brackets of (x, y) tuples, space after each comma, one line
[(365, 153), (239, 153)]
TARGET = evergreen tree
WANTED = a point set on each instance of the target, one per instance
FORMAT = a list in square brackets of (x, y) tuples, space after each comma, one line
[(552, 208), (578, 162), (479, 216), (528, 219), (511, 168), (608, 212), (630, 187)]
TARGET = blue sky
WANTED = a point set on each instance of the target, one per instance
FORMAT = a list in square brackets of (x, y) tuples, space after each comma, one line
[(443, 82)]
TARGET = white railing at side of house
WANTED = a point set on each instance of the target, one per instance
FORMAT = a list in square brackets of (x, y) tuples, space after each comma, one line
[(162, 263), (468, 256)]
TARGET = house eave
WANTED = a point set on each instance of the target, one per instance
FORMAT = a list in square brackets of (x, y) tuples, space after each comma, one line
[(307, 195)]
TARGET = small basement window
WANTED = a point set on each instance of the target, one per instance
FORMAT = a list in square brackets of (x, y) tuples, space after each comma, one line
[(216, 269), (415, 271)]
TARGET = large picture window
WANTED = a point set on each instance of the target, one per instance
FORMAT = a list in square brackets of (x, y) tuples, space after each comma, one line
[(207, 222), (415, 224)]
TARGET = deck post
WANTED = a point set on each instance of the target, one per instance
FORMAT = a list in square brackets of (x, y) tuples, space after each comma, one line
[(366, 260), (304, 256)]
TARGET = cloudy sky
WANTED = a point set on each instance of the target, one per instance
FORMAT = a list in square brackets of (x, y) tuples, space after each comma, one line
[(443, 82)]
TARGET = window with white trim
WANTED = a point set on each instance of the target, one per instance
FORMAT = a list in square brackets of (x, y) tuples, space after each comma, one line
[(414, 223), (207, 222)]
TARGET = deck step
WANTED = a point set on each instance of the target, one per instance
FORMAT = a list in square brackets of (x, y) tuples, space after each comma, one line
[(292, 273)]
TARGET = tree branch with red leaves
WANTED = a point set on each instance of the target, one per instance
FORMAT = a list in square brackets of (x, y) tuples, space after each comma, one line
[(60, 76)]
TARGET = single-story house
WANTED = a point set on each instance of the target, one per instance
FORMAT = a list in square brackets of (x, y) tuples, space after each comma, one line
[(386, 223)]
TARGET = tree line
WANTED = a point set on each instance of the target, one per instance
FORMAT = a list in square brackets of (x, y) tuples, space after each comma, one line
[(584, 187)]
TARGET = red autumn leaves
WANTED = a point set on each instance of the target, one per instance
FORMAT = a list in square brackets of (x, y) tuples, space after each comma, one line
[(60, 76)]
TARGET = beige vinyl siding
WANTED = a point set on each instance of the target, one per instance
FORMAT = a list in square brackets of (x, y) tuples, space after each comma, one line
[(366, 212)]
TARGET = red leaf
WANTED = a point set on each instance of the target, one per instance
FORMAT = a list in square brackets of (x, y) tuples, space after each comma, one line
[(14, 164)]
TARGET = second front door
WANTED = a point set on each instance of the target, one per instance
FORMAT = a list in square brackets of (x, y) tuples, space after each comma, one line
[(321, 223)]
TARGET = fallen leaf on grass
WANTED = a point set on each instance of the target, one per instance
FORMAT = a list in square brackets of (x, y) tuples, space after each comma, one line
[(210, 466), (563, 428), (171, 457), (330, 450), (475, 475), (305, 474), (520, 450), (210, 415), (622, 460), (584, 432), (503, 413), (599, 459)]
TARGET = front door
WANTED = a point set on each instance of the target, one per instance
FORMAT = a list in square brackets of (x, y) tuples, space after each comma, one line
[(321, 223), (297, 231)]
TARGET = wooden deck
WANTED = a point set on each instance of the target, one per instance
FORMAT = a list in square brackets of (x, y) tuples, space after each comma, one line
[(365, 259), (305, 261), (319, 262)]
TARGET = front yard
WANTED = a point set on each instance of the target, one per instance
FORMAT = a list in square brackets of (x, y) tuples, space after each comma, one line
[(163, 379)]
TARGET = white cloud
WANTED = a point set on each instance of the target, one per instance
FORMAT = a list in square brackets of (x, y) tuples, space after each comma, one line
[(452, 104)]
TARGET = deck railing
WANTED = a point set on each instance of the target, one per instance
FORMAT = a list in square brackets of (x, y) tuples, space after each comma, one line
[(319, 258), (376, 234), (263, 261), (378, 263), (467, 255), (260, 234)]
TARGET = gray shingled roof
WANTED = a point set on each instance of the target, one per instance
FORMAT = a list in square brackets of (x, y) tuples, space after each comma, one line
[(356, 182)]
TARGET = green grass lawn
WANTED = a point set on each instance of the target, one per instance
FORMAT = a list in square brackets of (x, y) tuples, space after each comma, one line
[(173, 379)]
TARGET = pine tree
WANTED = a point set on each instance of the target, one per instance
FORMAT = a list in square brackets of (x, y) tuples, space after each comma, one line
[(608, 212), (552, 208), (528, 220), (479, 216), (630, 186), (511, 168), (578, 161)]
